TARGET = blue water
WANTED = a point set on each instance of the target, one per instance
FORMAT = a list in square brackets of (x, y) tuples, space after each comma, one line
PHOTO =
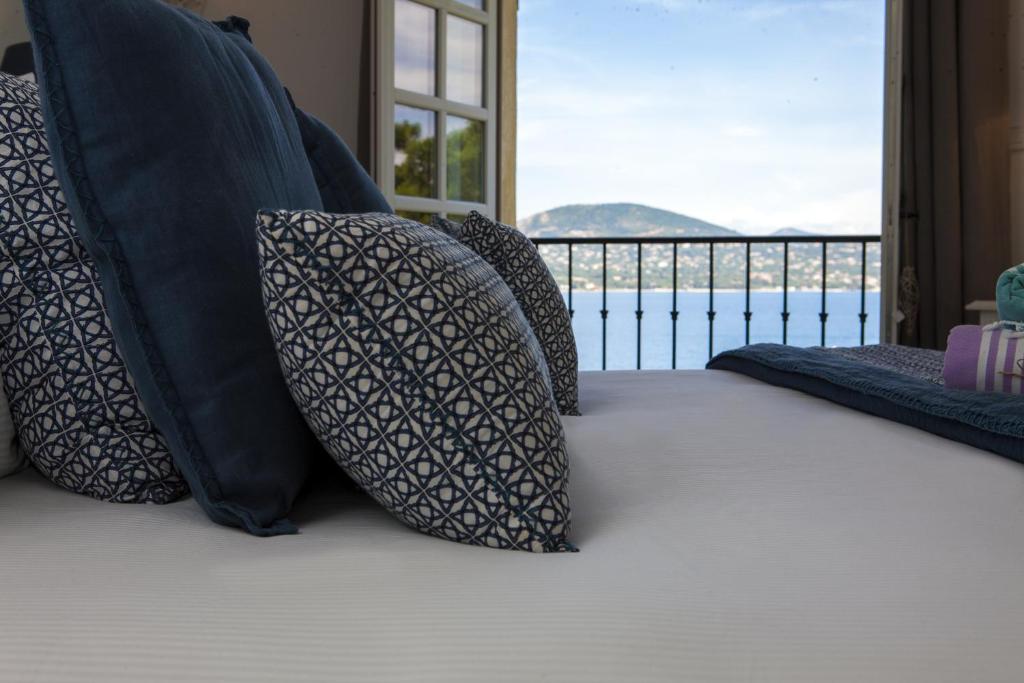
[(842, 329)]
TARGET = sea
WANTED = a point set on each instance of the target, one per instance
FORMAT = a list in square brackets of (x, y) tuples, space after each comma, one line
[(843, 326)]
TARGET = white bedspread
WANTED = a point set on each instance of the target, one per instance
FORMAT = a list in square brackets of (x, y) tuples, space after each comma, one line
[(730, 531)]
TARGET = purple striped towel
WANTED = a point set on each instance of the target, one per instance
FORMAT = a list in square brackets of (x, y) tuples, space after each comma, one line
[(989, 358)]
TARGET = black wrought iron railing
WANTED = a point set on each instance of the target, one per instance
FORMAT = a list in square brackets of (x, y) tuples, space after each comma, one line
[(774, 269)]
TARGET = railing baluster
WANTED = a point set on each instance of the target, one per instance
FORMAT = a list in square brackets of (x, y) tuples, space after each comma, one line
[(711, 300), (746, 311), (823, 316), (572, 312), (865, 242), (604, 305), (785, 292), (863, 289), (675, 309), (639, 298)]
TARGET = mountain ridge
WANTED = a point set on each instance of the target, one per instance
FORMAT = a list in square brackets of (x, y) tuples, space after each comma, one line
[(620, 219), (691, 270), (793, 232)]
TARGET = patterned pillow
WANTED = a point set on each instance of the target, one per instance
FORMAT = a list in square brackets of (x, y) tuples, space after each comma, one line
[(11, 459), (78, 418), (517, 260), (412, 362)]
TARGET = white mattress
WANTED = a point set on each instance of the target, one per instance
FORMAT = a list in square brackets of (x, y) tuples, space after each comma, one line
[(730, 531)]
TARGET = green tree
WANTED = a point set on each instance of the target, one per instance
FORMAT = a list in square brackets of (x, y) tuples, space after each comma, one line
[(414, 177), (466, 163)]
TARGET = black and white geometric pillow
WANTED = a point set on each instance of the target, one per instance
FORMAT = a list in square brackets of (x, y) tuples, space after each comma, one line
[(410, 359), (517, 260), (78, 417)]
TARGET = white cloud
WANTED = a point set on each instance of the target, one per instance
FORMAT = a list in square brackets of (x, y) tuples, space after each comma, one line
[(760, 9), (730, 136), (591, 146), (669, 5), (742, 131)]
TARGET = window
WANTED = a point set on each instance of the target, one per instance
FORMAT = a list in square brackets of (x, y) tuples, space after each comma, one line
[(437, 106), (746, 120)]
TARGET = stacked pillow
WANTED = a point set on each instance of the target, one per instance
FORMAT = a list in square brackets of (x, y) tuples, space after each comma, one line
[(11, 458), (78, 416), (415, 366), (343, 184), (406, 353), (517, 260), (165, 162)]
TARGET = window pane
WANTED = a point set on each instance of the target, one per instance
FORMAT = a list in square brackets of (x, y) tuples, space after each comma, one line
[(415, 47), (465, 140), (418, 216), (415, 152), (459, 218), (465, 72), (479, 4)]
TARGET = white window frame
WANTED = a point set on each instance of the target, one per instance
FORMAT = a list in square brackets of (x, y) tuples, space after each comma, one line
[(388, 96), (891, 316)]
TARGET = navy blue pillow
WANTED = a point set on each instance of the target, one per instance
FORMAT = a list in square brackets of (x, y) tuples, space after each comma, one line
[(168, 134), (345, 187)]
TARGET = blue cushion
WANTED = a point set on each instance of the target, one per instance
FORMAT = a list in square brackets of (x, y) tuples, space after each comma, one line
[(984, 419), (168, 134), (521, 266), (79, 419), (345, 187), (413, 363)]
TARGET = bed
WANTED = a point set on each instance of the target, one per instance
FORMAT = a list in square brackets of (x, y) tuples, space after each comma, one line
[(729, 531)]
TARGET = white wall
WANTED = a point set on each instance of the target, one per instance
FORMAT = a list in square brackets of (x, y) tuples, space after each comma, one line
[(319, 49), (12, 24)]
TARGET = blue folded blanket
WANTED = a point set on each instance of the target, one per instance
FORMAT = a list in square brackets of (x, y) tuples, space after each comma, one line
[(1010, 294), (994, 422)]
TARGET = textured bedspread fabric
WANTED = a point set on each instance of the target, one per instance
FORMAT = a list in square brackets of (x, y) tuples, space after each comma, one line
[(900, 391), (729, 530)]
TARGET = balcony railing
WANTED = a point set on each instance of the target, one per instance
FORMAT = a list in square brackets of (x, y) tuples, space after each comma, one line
[(795, 252)]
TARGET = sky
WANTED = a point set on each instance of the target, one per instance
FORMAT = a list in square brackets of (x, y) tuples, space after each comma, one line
[(752, 114)]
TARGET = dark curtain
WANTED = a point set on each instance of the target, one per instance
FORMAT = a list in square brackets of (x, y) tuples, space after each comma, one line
[(954, 200)]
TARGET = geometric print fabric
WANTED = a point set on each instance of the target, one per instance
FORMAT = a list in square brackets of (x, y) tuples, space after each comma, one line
[(517, 260), (410, 359), (78, 417)]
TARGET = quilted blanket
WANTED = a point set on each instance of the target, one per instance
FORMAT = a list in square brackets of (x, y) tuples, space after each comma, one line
[(893, 382)]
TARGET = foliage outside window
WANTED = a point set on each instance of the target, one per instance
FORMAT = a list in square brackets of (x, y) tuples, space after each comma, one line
[(436, 152)]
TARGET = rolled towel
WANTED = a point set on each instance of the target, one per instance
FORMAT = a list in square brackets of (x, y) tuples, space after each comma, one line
[(1010, 294), (989, 358)]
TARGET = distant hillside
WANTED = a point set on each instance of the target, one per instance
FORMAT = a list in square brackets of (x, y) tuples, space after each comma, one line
[(621, 220), (637, 220), (792, 232)]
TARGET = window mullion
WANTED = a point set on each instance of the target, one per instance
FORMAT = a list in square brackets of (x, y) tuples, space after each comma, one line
[(420, 204), (414, 99), (491, 104), (385, 163), (389, 96), (460, 9), (442, 156), (441, 123)]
